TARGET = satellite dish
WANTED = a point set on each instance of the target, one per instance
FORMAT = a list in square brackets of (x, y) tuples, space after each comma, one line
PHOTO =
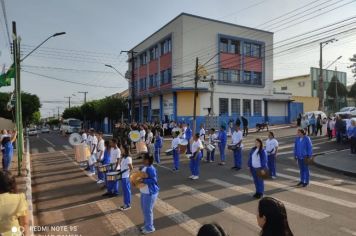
[(75, 139)]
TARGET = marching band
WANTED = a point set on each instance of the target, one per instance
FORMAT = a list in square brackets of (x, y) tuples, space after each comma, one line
[(114, 165)]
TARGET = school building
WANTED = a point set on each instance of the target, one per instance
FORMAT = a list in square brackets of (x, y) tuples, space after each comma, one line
[(236, 68)]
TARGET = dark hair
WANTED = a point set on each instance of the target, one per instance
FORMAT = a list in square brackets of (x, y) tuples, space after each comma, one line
[(106, 143), (276, 217), (114, 140), (148, 157), (212, 129), (213, 229), (7, 183), (126, 150), (261, 143), (197, 135), (302, 131), (5, 140), (271, 133)]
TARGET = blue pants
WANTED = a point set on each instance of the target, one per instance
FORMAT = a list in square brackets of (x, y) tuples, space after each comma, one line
[(238, 157), (222, 151), (157, 155), (188, 148), (194, 164), (176, 159), (147, 204), (272, 164), (126, 191), (92, 168), (259, 183), (7, 159), (113, 187), (304, 171), (210, 155)]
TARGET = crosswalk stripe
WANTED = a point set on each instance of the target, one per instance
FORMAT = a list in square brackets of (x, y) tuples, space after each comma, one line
[(181, 219), (324, 177), (34, 150), (120, 223), (348, 231), (67, 147), (290, 206), (234, 211), (337, 188), (323, 197), (51, 149)]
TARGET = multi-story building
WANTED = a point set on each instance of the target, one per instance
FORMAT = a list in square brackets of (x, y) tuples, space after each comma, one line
[(304, 88), (237, 59)]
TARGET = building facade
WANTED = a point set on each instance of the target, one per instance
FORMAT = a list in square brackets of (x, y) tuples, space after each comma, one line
[(239, 73)]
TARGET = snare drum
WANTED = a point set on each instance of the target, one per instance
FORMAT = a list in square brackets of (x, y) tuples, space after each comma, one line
[(106, 168), (232, 146), (183, 144), (113, 176), (209, 147), (169, 152)]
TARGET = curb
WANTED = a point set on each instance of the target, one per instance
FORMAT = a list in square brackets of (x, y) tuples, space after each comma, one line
[(29, 185), (325, 167)]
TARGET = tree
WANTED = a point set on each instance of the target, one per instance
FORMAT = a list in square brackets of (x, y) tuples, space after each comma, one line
[(353, 64), (352, 93), (73, 112), (36, 118), (336, 90)]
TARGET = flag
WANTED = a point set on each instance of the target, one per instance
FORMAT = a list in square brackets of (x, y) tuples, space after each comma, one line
[(5, 78)]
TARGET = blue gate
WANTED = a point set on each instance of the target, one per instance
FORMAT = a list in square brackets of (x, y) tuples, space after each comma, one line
[(296, 108)]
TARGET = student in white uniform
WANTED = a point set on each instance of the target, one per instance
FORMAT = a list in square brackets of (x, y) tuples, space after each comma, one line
[(126, 166), (272, 149), (84, 136), (211, 140), (149, 140), (142, 134), (175, 147), (237, 140), (93, 151), (115, 156), (202, 138), (197, 146), (100, 155)]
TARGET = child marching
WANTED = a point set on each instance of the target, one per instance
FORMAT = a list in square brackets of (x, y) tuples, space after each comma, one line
[(197, 146), (211, 141), (222, 138), (175, 147), (272, 149), (237, 150), (158, 146), (303, 150), (126, 168)]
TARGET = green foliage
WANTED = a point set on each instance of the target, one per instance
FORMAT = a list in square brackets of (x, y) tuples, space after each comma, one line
[(336, 86), (352, 93), (53, 122), (36, 118), (73, 112), (353, 64)]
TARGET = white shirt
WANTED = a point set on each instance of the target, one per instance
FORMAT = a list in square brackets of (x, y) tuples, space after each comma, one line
[(183, 135), (271, 146), (89, 140), (94, 144), (144, 189), (125, 162), (142, 135), (115, 154), (84, 137), (149, 138), (202, 134), (237, 137), (101, 147), (212, 137), (256, 162), (196, 145), (175, 142)]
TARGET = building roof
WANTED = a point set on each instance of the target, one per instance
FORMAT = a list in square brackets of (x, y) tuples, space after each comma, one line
[(123, 94), (203, 18), (293, 77)]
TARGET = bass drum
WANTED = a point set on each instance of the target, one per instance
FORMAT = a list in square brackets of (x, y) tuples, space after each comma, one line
[(183, 145), (134, 136)]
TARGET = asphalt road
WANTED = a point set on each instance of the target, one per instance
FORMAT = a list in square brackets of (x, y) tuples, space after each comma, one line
[(65, 197)]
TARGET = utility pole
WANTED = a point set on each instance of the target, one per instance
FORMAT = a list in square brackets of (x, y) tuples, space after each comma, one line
[(69, 97), (195, 94), (85, 96), (336, 92), (133, 88), (58, 112)]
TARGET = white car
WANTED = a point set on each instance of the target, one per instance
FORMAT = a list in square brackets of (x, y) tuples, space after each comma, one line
[(32, 132), (45, 130), (347, 111), (316, 113)]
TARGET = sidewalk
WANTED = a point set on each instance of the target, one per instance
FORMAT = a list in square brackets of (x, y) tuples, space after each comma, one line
[(340, 161)]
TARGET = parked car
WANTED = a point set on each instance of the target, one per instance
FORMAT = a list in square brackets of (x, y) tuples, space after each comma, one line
[(32, 132), (45, 130), (351, 111), (316, 113)]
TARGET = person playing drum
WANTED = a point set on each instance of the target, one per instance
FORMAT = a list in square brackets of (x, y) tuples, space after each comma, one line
[(222, 137), (187, 135), (100, 156), (126, 168), (197, 146), (202, 138), (237, 140), (158, 146), (115, 155), (211, 141), (175, 147)]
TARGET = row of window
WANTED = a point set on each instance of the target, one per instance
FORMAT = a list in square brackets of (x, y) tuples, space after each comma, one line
[(152, 80), (236, 107), (153, 53), (233, 46), (239, 77)]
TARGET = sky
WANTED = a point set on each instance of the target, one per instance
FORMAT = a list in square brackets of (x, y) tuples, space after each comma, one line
[(97, 30)]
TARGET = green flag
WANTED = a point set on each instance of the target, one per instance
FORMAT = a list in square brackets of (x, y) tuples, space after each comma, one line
[(5, 78)]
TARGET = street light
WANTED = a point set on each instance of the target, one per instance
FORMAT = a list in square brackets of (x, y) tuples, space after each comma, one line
[(112, 67), (332, 63)]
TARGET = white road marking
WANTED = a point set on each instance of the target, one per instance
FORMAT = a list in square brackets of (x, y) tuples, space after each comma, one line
[(34, 150), (337, 188), (51, 149), (323, 197), (47, 141), (349, 231), (119, 222), (324, 177), (290, 206), (67, 147), (181, 219), (234, 211)]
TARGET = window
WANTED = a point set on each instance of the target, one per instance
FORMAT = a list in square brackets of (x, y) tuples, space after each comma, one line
[(166, 46), (246, 107), (247, 77), (235, 47), (151, 81), (247, 49), (223, 106), (283, 88), (235, 106), (143, 59), (166, 76), (235, 76), (155, 80), (224, 75), (301, 84), (257, 107), (256, 50), (153, 53), (224, 45), (257, 78)]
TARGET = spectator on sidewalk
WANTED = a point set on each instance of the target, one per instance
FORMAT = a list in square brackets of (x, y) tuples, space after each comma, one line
[(238, 122), (319, 125), (299, 119), (14, 207), (8, 153), (351, 132), (272, 218), (305, 124), (312, 123), (213, 229), (330, 125), (303, 149), (245, 125), (340, 127)]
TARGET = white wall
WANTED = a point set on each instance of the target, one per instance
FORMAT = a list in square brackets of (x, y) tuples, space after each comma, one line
[(155, 102), (277, 108)]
